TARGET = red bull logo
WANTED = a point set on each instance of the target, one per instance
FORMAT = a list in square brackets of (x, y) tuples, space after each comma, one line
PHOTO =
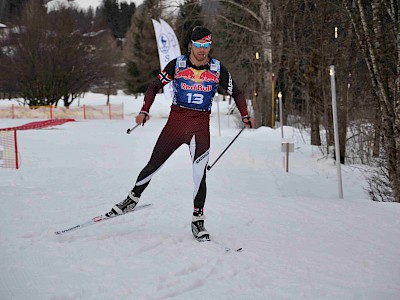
[(208, 77), (197, 75), (187, 74), (196, 87), (196, 80)]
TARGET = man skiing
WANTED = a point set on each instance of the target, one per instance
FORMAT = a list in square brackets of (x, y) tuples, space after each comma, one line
[(195, 78)]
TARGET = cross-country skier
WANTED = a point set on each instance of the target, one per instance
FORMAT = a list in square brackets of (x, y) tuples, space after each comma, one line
[(195, 78)]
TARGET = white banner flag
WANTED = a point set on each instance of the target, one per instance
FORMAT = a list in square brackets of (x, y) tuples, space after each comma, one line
[(168, 49)]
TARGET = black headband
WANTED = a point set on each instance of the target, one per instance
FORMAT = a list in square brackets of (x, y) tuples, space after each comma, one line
[(201, 33)]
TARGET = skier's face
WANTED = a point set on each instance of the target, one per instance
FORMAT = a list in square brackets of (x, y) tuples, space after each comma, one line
[(200, 50)]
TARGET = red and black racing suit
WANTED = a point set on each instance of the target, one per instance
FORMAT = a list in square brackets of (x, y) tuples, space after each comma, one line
[(186, 125)]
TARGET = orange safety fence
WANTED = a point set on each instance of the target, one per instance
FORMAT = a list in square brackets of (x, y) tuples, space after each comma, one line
[(9, 145), (84, 112)]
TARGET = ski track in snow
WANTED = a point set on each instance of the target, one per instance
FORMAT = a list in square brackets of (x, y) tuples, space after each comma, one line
[(299, 241)]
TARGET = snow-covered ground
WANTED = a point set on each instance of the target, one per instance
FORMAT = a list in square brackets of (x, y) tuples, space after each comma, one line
[(299, 240)]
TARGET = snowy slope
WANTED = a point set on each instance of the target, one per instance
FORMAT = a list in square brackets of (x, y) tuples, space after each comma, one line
[(299, 240)]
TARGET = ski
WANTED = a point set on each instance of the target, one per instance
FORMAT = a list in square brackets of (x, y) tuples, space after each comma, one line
[(99, 219), (227, 249)]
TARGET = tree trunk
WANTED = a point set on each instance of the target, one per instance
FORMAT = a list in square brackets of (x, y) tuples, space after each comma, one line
[(266, 37), (342, 131), (108, 93), (315, 135)]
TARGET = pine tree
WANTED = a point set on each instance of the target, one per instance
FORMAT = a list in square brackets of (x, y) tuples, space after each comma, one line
[(118, 16), (141, 48), (125, 15), (111, 14)]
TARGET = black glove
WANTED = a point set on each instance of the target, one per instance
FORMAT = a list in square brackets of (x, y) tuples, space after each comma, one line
[(146, 114), (246, 120)]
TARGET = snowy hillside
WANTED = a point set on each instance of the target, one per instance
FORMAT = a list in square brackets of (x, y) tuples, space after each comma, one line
[(298, 240)]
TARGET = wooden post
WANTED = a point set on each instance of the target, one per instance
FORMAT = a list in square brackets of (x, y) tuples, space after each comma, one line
[(287, 157), (281, 113), (273, 100), (286, 146)]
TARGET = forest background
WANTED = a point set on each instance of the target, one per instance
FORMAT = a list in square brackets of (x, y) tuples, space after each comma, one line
[(53, 56)]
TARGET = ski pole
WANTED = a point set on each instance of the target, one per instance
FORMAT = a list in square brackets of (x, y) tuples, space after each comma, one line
[(128, 131), (209, 167)]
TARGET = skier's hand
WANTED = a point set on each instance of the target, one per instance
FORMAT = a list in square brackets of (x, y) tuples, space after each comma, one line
[(142, 117), (248, 121)]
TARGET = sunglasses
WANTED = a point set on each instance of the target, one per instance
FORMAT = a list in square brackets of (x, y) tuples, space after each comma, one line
[(199, 45)]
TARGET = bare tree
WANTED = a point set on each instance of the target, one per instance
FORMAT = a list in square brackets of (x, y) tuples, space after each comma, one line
[(28, 55), (48, 58), (252, 23), (376, 24), (190, 15)]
